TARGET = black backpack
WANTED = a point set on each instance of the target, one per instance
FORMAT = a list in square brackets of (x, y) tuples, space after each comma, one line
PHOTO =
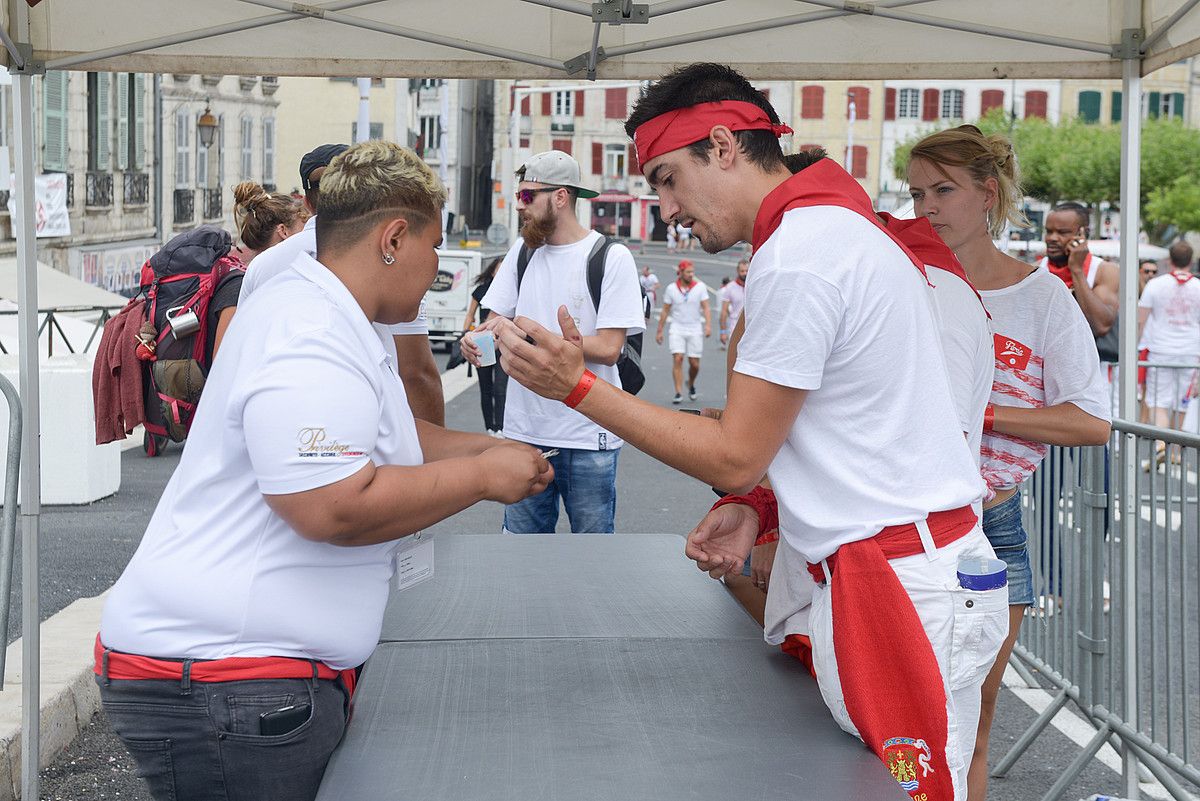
[(629, 364)]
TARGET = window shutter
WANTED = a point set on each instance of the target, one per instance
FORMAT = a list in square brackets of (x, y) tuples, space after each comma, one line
[(139, 121), (103, 102), (123, 79), (1177, 104), (1035, 104), (525, 112), (579, 103), (930, 105), (991, 98), (597, 158), (54, 116), (1154, 104), (268, 150), (615, 103), (862, 102), (889, 104), (812, 101), (1089, 106), (1116, 106), (547, 99), (634, 167), (858, 161), (561, 144)]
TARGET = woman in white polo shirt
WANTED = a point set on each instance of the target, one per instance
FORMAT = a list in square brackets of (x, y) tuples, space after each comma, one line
[(1047, 388), (226, 649)]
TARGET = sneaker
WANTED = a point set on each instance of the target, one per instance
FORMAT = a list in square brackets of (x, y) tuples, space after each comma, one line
[(499, 434), (691, 393), (677, 399)]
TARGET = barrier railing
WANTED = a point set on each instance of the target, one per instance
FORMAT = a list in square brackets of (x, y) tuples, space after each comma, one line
[(50, 325), (1091, 587)]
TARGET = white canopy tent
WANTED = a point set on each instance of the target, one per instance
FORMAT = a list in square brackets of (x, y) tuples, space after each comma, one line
[(609, 39)]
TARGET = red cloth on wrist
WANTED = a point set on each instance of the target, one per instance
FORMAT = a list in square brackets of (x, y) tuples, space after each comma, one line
[(581, 389), (767, 537), (762, 500), (989, 417)]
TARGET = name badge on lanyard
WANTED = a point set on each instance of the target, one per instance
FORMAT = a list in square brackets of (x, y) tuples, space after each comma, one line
[(412, 560)]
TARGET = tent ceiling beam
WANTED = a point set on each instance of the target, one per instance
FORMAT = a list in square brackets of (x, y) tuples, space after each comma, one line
[(420, 36), (671, 6), (748, 27), (67, 62), (880, 10), (570, 6), (13, 51), (1165, 28)]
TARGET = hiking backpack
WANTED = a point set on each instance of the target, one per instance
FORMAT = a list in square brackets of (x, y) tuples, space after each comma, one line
[(179, 282), (629, 363)]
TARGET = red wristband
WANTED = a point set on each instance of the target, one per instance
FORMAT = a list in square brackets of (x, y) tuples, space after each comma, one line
[(762, 500), (581, 389), (989, 417)]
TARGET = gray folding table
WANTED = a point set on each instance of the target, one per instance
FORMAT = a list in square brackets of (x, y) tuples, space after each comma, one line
[(586, 667)]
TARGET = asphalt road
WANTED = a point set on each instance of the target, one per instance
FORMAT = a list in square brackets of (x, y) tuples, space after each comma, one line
[(85, 549)]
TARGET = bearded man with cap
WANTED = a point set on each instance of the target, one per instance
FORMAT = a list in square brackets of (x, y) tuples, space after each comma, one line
[(558, 249), (407, 343), (840, 395)]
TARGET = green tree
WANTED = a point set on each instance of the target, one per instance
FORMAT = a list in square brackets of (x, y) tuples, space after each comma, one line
[(1173, 207)]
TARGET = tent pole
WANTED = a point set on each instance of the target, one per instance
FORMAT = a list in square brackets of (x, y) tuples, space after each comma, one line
[(1131, 143), (11, 47), (1163, 29), (31, 471)]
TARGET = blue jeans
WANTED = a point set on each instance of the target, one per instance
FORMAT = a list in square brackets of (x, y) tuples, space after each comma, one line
[(587, 483), (200, 741), (1003, 528)]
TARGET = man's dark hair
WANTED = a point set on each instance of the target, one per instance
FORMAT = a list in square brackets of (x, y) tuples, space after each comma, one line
[(707, 83), (795, 162), (1081, 211), (1181, 255)]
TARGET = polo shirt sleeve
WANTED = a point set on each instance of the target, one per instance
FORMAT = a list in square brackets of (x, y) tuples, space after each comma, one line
[(620, 293), (792, 322), (311, 415), (501, 296)]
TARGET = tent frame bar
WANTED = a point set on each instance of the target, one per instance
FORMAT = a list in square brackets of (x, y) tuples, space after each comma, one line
[(11, 46), (570, 6), (420, 36), (66, 62), (1165, 28)]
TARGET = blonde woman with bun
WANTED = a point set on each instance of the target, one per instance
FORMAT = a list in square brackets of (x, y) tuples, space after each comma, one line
[(264, 218), (1047, 388)]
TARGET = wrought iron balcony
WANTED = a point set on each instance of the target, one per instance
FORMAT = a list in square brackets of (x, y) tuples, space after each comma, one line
[(212, 203), (98, 189), (185, 206), (137, 189)]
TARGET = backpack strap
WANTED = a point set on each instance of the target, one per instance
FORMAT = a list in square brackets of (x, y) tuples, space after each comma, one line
[(595, 268), (523, 257)]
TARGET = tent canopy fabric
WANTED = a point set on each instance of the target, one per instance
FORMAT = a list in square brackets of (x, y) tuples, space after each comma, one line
[(766, 39), (57, 290)]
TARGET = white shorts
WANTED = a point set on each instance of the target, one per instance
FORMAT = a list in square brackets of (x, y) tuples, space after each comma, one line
[(1170, 387), (966, 629), (688, 343)]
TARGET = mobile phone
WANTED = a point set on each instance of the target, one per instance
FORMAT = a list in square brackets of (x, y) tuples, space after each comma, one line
[(283, 720), (690, 411)]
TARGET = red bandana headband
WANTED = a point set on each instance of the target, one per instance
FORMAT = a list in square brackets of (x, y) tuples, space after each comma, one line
[(683, 126)]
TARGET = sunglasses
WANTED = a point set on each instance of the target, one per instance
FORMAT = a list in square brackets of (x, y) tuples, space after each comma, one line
[(1149, 272), (526, 195)]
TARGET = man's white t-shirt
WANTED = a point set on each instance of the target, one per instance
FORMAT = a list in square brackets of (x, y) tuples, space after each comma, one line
[(649, 283), (1175, 312), (877, 441), (557, 276), (966, 337), (1045, 355), (303, 396), (686, 315), (277, 258), (735, 293)]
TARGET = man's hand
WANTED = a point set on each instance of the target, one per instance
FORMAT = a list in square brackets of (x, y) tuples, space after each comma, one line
[(707, 330), (762, 557), (514, 471), (721, 541), (541, 361), (470, 350), (724, 338), (658, 337), (1077, 253)]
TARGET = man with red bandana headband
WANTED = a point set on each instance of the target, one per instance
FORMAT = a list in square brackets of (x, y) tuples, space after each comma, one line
[(840, 395)]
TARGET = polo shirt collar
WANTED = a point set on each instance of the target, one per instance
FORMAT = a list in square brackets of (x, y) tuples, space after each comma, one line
[(312, 270)]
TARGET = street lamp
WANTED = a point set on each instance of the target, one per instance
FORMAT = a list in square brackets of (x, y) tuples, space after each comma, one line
[(206, 127)]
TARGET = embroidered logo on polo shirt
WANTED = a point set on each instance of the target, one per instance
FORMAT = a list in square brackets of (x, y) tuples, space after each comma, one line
[(315, 444), (1011, 352)]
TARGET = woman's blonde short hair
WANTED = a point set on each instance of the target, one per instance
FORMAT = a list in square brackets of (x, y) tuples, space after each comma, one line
[(982, 157), (370, 181)]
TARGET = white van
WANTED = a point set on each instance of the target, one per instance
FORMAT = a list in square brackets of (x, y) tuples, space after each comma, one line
[(448, 296)]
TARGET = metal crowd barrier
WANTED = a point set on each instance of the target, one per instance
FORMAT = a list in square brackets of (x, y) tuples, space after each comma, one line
[(8, 520), (1093, 589), (1180, 385), (53, 329)]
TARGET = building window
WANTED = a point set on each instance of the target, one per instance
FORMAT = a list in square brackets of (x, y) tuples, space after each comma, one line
[(376, 131), (1035, 104), (247, 160), (561, 144), (910, 104), (99, 105), (269, 153), (861, 96), (990, 99), (614, 161), (1164, 104), (183, 149), (857, 158), (430, 83), (564, 104), (431, 132), (812, 102), (616, 104), (1116, 106), (952, 104), (1089, 106), (201, 162), (930, 105), (54, 121)]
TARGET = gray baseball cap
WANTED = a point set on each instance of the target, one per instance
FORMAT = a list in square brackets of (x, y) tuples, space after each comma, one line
[(556, 168)]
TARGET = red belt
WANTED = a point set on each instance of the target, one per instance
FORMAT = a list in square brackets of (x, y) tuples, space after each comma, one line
[(905, 540), (118, 665)]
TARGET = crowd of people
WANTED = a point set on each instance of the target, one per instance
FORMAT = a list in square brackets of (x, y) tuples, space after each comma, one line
[(890, 384)]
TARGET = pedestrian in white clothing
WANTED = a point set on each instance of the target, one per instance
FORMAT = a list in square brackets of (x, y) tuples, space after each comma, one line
[(1169, 319), (685, 303)]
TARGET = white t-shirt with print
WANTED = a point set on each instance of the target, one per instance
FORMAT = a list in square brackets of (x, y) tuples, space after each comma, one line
[(303, 396), (279, 257), (557, 276), (1175, 313), (1045, 355), (877, 441), (686, 315)]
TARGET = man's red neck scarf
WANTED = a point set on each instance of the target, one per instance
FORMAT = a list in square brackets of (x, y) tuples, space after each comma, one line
[(1182, 276), (1064, 272), (822, 184)]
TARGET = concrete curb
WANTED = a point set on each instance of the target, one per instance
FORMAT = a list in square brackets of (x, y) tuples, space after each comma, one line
[(68, 694)]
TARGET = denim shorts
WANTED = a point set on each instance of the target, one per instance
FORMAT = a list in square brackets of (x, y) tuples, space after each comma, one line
[(1002, 525)]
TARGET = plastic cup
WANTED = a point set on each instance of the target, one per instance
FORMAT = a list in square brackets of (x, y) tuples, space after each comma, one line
[(486, 342), (982, 574)]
